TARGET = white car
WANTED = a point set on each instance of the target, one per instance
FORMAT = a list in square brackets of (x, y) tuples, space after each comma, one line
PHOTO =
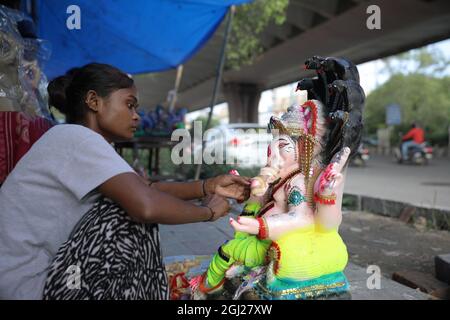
[(241, 144)]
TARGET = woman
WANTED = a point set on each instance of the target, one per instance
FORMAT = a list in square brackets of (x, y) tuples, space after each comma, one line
[(72, 203)]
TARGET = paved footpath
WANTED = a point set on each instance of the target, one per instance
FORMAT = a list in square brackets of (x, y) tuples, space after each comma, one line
[(205, 238), (424, 186)]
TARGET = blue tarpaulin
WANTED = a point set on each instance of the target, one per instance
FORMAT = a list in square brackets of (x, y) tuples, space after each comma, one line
[(136, 36)]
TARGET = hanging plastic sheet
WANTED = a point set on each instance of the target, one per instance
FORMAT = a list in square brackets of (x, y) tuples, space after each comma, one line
[(136, 36), (22, 55)]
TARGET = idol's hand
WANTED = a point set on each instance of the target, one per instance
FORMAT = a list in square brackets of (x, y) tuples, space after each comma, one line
[(244, 224), (260, 184), (331, 178)]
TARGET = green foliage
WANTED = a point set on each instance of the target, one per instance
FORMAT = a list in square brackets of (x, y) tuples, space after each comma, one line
[(426, 60), (248, 23), (438, 138), (422, 98), (418, 85)]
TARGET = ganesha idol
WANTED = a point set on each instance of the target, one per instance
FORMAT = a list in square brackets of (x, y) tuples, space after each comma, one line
[(286, 243)]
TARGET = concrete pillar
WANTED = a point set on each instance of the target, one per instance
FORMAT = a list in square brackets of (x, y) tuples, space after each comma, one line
[(243, 101)]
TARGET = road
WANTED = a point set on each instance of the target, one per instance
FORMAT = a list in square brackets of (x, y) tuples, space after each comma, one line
[(425, 186)]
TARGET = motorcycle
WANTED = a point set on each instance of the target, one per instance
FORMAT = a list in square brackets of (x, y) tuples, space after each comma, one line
[(361, 157), (419, 154)]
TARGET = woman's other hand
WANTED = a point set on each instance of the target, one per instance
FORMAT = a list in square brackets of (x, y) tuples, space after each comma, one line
[(229, 186), (217, 205)]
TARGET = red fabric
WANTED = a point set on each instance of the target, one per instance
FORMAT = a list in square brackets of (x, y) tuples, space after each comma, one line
[(18, 133), (177, 284), (415, 134)]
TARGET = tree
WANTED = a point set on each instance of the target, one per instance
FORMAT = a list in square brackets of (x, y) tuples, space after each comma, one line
[(248, 23), (426, 60), (422, 98), (418, 84)]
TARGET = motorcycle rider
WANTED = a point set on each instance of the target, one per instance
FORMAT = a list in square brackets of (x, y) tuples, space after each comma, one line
[(414, 137)]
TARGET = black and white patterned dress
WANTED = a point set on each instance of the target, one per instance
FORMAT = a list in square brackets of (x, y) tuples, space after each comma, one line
[(117, 258)]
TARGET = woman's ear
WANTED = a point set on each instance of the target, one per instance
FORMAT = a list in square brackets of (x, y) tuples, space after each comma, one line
[(92, 100)]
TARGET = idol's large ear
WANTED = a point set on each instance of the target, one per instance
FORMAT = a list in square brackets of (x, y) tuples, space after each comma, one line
[(276, 124)]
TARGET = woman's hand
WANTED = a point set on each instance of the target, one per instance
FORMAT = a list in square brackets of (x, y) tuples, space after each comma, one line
[(218, 206), (229, 186)]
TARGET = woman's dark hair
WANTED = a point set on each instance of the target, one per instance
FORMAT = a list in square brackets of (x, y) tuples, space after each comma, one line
[(67, 93)]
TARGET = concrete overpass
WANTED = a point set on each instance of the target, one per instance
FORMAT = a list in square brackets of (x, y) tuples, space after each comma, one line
[(312, 27)]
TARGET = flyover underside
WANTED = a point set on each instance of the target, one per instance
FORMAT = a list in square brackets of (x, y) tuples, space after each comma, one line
[(405, 24)]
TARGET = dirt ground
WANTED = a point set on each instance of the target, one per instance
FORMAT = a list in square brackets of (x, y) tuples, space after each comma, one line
[(391, 244)]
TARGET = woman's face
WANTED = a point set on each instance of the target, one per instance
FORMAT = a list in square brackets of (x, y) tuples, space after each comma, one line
[(117, 117)]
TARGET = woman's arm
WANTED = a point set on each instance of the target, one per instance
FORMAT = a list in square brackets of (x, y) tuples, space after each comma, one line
[(182, 190), (153, 206), (229, 186)]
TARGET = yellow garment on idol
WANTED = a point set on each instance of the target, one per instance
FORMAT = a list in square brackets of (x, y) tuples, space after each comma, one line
[(309, 253)]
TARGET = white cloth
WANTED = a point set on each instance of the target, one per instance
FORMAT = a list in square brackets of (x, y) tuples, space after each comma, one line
[(42, 200)]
